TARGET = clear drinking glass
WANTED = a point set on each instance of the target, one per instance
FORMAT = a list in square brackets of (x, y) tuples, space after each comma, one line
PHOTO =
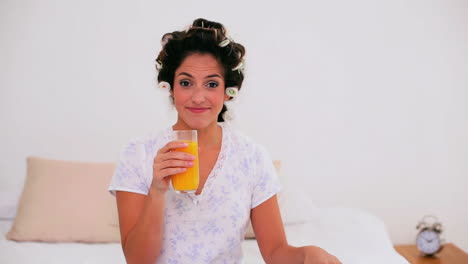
[(188, 180)]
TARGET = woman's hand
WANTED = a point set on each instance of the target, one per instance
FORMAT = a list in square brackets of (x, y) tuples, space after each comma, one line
[(169, 162), (316, 255)]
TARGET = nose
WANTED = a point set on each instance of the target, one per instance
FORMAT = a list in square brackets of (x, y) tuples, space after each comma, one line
[(198, 95)]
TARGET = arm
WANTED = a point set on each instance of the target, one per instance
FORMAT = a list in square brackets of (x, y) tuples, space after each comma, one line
[(141, 225), (141, 217), (271, 239)]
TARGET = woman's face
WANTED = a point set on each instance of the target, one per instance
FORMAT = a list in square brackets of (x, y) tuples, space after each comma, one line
[(199, 91)]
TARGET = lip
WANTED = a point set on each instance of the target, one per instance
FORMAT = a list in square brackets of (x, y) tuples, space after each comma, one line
[(198, 110)]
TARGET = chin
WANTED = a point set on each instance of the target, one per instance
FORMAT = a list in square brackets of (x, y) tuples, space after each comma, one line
[(199, 124)]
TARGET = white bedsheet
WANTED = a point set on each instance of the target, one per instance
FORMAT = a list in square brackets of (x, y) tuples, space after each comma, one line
[(354, 236), (54, 253)]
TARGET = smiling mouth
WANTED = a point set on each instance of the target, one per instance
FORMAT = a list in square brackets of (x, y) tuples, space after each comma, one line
[(197, 109)]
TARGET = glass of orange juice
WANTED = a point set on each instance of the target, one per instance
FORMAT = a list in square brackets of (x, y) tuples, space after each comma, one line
[(188, 180)]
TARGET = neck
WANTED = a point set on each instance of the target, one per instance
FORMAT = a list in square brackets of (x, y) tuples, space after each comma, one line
[(207, 137)]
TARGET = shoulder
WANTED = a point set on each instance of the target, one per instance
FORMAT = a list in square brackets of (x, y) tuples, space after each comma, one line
[(147, 143), (243, 143), (239, 139)]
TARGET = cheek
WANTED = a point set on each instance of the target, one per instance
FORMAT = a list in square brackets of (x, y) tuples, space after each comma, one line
[(218, 99), (180, 97)]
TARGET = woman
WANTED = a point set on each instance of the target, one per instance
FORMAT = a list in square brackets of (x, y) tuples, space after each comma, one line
[(202, 68)]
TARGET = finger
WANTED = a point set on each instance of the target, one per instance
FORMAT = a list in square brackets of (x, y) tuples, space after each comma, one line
[(173, 145), (173, 163), (176, 155), (169, 172)]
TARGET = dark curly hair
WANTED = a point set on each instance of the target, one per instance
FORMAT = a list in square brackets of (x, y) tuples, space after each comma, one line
[(202, 37)]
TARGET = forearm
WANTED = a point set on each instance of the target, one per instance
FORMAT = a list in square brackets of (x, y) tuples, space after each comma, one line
[(306, 254), (286, 254), (144, 241)]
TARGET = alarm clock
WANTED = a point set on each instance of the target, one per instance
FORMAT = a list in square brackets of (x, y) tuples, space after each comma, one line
[(428, 239)]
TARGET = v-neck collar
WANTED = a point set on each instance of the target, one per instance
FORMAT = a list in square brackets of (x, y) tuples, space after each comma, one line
[(214, 171)]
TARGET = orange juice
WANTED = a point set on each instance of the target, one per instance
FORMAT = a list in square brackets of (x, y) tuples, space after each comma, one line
[(189, 179)]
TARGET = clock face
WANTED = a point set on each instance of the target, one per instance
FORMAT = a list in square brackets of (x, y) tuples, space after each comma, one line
[(428, 242)]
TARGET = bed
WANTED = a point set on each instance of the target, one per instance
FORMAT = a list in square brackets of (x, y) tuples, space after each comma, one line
[(53, 223), (352, 235)]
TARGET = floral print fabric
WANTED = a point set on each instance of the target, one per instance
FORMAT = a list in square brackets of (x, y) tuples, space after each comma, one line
[(210, 227)]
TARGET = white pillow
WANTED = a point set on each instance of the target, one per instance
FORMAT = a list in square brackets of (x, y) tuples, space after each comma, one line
[(296, 205), (8, 201)]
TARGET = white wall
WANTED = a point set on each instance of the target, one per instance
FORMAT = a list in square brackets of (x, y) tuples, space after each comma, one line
[(364, 101)]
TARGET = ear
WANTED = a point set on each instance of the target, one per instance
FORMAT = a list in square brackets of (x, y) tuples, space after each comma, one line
[(226, 97)]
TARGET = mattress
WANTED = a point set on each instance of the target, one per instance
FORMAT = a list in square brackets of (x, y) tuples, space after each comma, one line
[(54, 253), (353, 235)]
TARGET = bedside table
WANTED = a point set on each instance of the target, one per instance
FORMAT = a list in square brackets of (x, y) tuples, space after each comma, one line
[(450, 254)]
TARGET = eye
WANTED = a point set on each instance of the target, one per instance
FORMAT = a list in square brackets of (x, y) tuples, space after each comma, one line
[(184, 83), (212, 84)]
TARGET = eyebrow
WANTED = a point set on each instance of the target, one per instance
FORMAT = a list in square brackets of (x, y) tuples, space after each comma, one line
[(209, 76)]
